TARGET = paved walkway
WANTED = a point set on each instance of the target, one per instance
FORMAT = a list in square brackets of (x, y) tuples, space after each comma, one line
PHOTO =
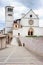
[(15, 55)]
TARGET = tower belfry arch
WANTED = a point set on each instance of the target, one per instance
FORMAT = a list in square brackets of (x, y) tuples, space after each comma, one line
[(9, 18)]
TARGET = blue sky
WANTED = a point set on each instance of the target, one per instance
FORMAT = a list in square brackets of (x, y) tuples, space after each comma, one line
[(21, 6)]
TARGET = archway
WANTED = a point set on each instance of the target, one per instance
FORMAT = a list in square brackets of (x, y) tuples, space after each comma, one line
[(30, 32)]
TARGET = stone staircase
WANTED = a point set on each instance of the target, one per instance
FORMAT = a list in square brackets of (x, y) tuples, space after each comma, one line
[(19, 42), (14, 41)]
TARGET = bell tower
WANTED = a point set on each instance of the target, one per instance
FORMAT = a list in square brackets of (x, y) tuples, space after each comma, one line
[(9, 18)]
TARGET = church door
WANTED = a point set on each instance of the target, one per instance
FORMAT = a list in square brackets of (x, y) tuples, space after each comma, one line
[(30, 32)]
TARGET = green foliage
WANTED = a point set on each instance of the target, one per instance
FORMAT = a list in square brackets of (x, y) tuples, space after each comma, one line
[(33, 36)]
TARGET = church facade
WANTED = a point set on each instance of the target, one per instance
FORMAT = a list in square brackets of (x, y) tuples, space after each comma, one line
[(28, 25)]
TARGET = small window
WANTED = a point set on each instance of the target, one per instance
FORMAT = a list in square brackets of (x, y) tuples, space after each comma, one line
[(9, 14), (15, 21), (30, 15), (18, 34), (10, 9), (16, 26)]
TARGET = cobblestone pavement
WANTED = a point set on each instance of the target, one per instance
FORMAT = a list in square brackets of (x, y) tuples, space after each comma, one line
[(15, 55)]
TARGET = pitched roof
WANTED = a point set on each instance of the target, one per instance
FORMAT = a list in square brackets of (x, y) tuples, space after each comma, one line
[(28, 12)]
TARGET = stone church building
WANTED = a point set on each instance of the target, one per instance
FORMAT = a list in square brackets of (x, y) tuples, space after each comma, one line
[(28, 25)]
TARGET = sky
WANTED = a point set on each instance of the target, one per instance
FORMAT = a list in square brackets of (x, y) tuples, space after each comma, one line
[(20, 7)]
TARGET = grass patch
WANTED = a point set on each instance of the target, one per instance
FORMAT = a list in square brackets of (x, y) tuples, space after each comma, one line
[(31, 36), (34, 36)]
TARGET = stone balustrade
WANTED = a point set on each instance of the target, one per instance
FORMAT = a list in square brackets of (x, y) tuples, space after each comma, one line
[(34, 44)]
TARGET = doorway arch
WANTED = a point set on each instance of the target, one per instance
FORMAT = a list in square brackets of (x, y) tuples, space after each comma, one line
[(30, 32)]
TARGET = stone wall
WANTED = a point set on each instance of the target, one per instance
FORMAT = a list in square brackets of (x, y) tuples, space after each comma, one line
[(38, 31), (35, 44), (2, 41)]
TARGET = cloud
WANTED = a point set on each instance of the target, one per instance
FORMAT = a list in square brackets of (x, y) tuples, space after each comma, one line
[(39, 12), (41, 22), (34, 4), (2, 14), (2, 17), (5, 2), (18, 10)]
